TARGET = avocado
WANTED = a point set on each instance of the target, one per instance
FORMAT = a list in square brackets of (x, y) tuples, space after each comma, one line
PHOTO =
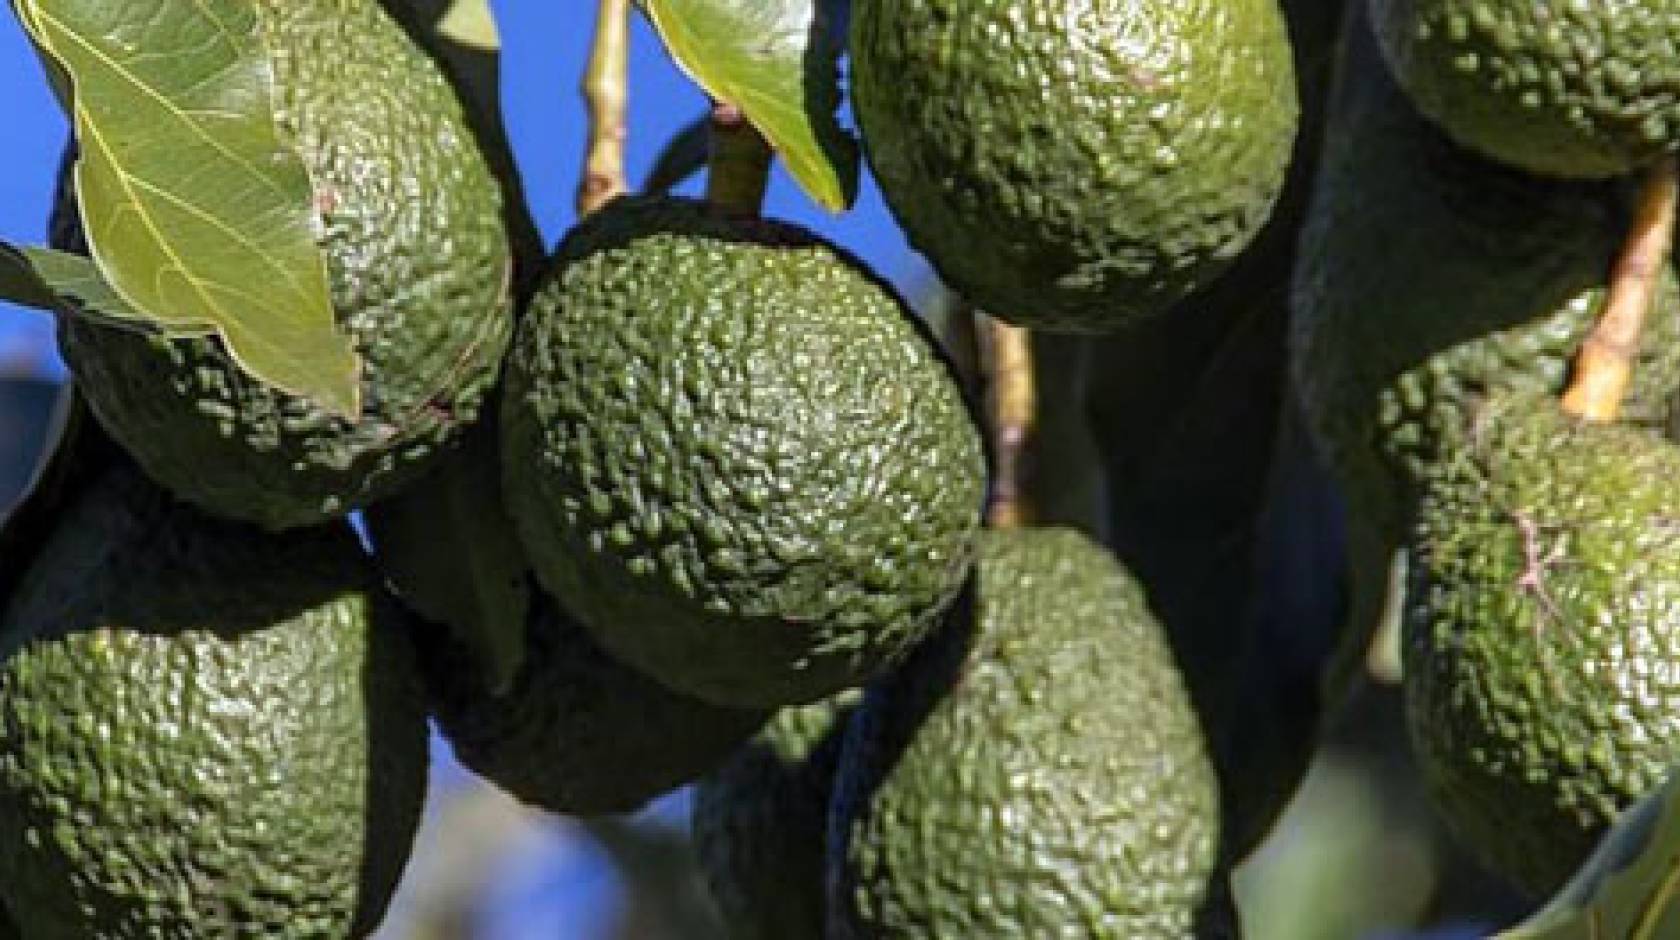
[(418, 265), (759, 822), (206, 730), (1559, 88), (1428, 279), (735, 454), (1035, 770), (577, 732), (1542, 633), (1075, 166)]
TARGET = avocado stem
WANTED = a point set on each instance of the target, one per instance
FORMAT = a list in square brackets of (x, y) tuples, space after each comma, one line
[(739, 171), (1011, 409), (605, 87), (1604, 363)]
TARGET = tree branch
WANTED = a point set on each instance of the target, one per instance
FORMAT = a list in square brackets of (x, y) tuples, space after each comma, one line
[(606, 91), (1011, 403), (1604, 364)]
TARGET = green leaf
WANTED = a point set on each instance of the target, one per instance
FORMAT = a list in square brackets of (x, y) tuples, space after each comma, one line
[(196, 211), (61, 282), (470, 23), (776, 60), (684, 155), (1629, 888)]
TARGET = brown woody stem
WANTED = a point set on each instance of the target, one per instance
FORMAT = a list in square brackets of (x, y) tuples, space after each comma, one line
[(739, 171), (1011, 403), (606, 91), (1604, 364)]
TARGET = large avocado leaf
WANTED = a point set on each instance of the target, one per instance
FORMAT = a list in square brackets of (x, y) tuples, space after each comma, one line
[(197, 212), (1629, 888), (778, 61)]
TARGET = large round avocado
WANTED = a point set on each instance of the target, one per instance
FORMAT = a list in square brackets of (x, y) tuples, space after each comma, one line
[(1076, 165), (735, 455), (205, 730), (418, 265), (1542, 633), (1035, 770)]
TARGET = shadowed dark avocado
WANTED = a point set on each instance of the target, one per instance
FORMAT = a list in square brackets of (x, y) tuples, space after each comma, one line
[(205, 730), (759, 822), (736, 455), (1035, 770), (418, 264), (1076, 166), (577, 732)]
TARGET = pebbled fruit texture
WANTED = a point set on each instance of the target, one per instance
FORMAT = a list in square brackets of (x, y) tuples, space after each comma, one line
[(1076, 165), (736, 455), (759, 822), (1430, 278), (577, 732), (1542, 633), (1035, 770), (205, 730), (1556, 87), (418, 265)]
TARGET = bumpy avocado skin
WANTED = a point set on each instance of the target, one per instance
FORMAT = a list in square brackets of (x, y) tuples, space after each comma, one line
[(205, 730), (1034, 771), (418, 266), (760, 822), (1542, 633), (1555, 87), (1076, 166), (735, 455), (1429, 278), (577, 732)]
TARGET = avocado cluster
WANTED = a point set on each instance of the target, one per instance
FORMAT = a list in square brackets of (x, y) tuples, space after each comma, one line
[(1440, 303)]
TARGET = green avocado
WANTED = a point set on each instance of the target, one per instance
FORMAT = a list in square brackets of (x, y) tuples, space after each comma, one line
[(1076, 166), (1428, 279), (759, 822), (736, 455), (1542, 633), (418, 264), (1558, 87), (205, 730), (576, 732), (1035, 770)]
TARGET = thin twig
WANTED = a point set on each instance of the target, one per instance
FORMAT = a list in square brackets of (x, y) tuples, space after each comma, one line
[(606, 90), (1011, 403), (739, 170), (1604, 364)]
